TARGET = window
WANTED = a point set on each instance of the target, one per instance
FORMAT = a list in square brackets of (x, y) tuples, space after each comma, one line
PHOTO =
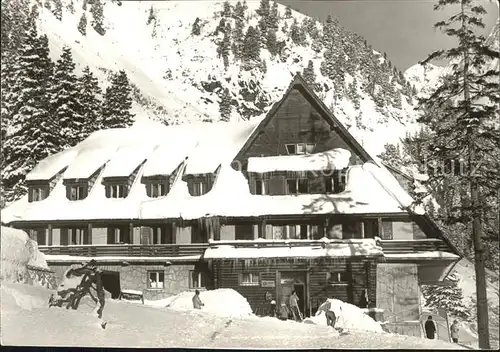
[(261, 187), (199, 234), (249, 279), (198, 188), (335, 183), (117, 235), (40, 236), (334, 231), (116, 191), (243, 232), (78, 236), (335, 278), (386, 230), (76, 192), (300, 148), (160, 235), (197, 279), (155, 190), (156, 279), (38, 194), (297, 186)]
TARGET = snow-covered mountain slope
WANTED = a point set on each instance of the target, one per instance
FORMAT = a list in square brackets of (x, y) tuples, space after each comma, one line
[(180, 77), (424, 77)]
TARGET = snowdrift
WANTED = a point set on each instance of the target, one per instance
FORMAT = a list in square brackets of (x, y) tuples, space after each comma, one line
[(349, 317), (221, 302), (18, 251), (15, 296)]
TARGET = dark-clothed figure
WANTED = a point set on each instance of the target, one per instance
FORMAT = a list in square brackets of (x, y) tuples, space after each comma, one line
[(430, 328), (197, 303), (454, 331)]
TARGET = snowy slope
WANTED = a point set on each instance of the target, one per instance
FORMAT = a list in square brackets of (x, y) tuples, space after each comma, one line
[(424, 77), (179, 76), (133, 325)]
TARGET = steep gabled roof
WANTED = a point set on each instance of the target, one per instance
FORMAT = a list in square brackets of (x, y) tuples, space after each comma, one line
[(299, 82)]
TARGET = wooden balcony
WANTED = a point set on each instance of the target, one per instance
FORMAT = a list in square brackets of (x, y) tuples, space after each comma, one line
[(127, 250), (414, 246)]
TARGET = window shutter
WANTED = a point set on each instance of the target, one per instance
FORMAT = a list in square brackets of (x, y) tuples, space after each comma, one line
[(86, 234), (64, 237), (386, 230), (111, 239), (108, 192), (276, 186)]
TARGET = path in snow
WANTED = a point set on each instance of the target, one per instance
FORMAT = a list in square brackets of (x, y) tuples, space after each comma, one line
[(133, 325)]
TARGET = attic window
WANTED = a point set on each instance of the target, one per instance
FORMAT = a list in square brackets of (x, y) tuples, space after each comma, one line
[(155, 190), (261, 187), (297, 186), (116, 191), (77, 192), (300, 148), (198, 188), (335, 183), (38, 194)]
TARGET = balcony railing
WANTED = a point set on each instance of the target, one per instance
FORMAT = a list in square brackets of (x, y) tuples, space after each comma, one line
[(413, 246), (127, 250)]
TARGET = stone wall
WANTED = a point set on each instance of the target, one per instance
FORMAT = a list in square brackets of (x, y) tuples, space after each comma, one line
[(135, 277)]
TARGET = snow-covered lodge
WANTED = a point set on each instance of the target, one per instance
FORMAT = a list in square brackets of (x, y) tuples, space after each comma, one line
[(287, 202)]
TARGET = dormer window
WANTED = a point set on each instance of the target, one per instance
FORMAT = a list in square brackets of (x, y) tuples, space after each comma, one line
[(198, 188), (116, 190), (261, 187), (335, 183), (300, 148), (297, 186), (77, 192), (155, 190), (38, 193)]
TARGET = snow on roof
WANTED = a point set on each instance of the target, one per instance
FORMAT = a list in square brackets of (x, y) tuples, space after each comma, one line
[(56, 258), (337, 158), (367, 247), (52, 165), (126, 160), (220, 144)]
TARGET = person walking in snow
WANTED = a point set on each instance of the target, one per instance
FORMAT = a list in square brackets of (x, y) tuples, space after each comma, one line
[(454, 331), (197, 303), (283, 312), (430, 328), (331, 318), (294, 306)]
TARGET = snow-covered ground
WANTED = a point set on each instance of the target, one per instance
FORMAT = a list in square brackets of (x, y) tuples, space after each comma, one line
[(137, 325)]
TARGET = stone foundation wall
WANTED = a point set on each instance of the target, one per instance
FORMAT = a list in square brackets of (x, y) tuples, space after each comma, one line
[(135, 277)]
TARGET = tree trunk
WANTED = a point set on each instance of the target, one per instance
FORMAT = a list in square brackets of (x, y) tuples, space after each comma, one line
[(481, 298)]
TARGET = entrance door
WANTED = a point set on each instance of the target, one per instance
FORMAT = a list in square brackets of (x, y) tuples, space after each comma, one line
[(293, 281), (111, 282)]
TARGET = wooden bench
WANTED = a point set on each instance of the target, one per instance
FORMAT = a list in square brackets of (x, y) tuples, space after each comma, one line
[(126, 294)]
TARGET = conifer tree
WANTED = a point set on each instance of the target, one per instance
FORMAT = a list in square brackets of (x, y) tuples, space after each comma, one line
[(225, 106), (196, 29), (71, 7), (97, 11), (251, 45), (462, 112), (64, 100), (90, 102), (224, 47), (309, 74), (263, 12), (288, 12), (226, 12), (118, 102), (82, 25), (34, 133), (57, 9), (297, 34), (274, 15), (448, 297), (238, 38), (84, 5), (151, 16), (239, 12), (271, 42)]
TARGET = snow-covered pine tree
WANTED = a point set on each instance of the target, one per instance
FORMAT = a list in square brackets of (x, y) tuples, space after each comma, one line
[(90, 102), (297, 34), (239, 12), (71, 7), (118, 102), (271, 42), (225, 105), (82, 24), (224, 48), (57, 9), (238, 38), (288, 12), (84, 5), (97, 11), (462, 113), (309, 74), (251, 45), (196, 29), (64, 100), (33, 134), (273, 18), (226, 12), (151, 15), (448, 297), (263, 12)]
